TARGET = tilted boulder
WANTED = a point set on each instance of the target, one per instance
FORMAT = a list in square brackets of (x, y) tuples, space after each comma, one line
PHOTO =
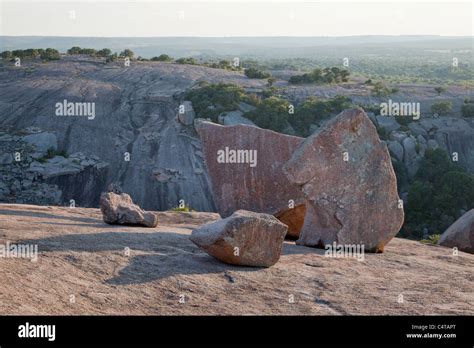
[(345, 173), (460, 234), (245, 238), (120, 209), (260, 186)]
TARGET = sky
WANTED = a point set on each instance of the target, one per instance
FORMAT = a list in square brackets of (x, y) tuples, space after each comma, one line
[(221, 18)]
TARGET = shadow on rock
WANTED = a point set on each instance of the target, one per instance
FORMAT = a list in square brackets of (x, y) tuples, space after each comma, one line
[(107, 241), (172, 254), (147, 268), (48, 216)]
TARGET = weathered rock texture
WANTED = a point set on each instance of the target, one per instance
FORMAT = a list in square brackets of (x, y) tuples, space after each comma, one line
[(460, 234), (245, 238), (136, 112), (353, 201), (263, 188), (120, 209), (31, 171), (80, 254)]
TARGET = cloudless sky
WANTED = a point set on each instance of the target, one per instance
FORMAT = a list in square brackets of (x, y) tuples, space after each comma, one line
[(235, 18)]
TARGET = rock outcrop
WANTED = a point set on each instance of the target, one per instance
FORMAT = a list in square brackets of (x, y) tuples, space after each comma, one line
[(186, 113), (33, 171), (460, 234), (263, 187), (345, 173), (245, 238), (120, 209)]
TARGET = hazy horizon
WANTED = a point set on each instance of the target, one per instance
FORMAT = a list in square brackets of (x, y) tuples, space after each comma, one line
[(223, 19)]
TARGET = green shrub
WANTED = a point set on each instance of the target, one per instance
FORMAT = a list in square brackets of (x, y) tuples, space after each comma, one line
[(271, 113), (322, 76), (433, 239), (162, 58), (185, 209), (441, 108), (211, 100), (467, 109), (255, 73), (190, 61), (440, 192)]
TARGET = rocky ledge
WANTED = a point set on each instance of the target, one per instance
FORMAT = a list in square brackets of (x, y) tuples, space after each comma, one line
[(111, 269)]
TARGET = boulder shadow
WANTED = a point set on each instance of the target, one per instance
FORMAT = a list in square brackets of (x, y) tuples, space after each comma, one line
[(170, 254), (148, 268)]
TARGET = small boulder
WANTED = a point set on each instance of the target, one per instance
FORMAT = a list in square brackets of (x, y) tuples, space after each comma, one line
[(395, 149), (245, 238), (460, 234), (389, 123), (119, 209)]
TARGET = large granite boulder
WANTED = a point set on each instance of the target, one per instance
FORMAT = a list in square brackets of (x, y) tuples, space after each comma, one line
[(261, 186), (346, 174), (389, 123), (120, 209), (460, 234), (245, 238)]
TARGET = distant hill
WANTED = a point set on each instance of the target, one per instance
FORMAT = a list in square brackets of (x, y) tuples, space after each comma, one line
[(256, 47)]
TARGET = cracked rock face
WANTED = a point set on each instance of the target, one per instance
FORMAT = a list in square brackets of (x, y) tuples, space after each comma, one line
[(120, 209), (460, 234), (244, 238), (262, 188), (345, 173)]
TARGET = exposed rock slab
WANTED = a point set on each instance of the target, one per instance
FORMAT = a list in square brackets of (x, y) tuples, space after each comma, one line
[(245, 238), (353, 201), (80, 254), (120, 209), (460, 234)]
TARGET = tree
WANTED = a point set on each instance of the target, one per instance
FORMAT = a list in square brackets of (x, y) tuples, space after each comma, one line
[(326, 75), (467, 109), (105, 52), (6, 54), (254, 73), (271, 113), (441, 108), (380, 90), (440, 90), (74, 50), (162, 58), (189, 60), (127, 53), (440, 192), (50, 54)]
